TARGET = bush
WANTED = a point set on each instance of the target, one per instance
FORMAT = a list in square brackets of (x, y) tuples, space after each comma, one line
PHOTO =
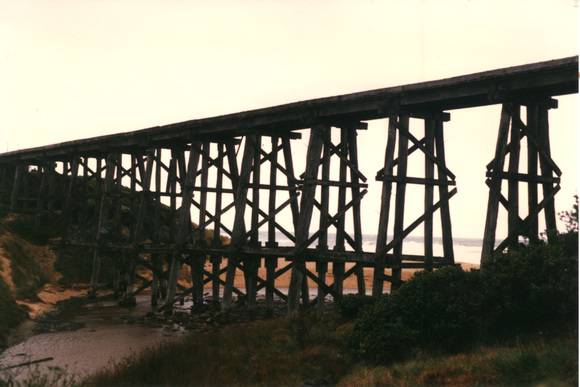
[(444, 306), (27, 274), (380, 336), (437, 310), (351, 305), (38, 230), (528, 287)]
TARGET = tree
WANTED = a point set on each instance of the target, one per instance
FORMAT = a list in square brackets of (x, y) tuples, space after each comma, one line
[(570, 218)]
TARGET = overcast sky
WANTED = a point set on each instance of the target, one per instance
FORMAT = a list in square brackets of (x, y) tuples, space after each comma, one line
[(74, 69)]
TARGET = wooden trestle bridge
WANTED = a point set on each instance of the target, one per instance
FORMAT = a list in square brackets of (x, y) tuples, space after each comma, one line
[(243, 164)]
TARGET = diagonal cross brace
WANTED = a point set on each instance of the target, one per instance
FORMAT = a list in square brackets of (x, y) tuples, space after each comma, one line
[(429, 155), (414, 225)]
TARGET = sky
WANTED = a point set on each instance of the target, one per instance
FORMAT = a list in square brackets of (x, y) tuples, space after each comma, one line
[(76, 69)]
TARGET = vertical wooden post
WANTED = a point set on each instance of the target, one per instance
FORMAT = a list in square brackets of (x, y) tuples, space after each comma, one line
[(446, 231), (102, 210), (272, 262), (495, 185), (99, 185), (135, 160), (117, 226), (379, 271), (155, 258), (338, 266), (70, 194), (293, 192), (198, 262), (305, 294), (41, 199), (322, 267), (289, 164), (174, 264), (429, 174), (51, 192), (184, 221), (239, 222), (234, 178), (513, 168), (305, 217), (138, 209), (324, 193), (16, 182), (547, 188), (216, 240), (144, 197), (73, 175), (42, 193), (356, 210), (532, 123), (400, 200), (251, 263), (271, 265)]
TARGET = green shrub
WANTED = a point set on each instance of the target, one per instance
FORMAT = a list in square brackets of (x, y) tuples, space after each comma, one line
[(351, 305), (75, 263), (380, 336), (37, 229), (443, 306), (27, 274), (438, 310), (530, 286)]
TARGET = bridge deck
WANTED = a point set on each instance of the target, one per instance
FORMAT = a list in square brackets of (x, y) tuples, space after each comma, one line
[(551, 78)]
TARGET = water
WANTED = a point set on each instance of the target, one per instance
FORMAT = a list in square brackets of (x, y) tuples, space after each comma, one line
[(105, 338), (467, 250)]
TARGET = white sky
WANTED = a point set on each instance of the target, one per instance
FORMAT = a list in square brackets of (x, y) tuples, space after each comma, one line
[(75, 69)]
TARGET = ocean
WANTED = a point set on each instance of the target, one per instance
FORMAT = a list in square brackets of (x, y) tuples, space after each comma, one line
[(466, 250)]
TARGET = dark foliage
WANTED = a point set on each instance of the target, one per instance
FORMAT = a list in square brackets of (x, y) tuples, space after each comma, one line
[(37, 229), (531, 286), (379, 335), (351, 305), (515, 293), (27, 274), (442, 306), (10, 313)]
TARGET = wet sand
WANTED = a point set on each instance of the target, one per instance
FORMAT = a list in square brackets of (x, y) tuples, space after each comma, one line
[(283, 281), (105, 337)]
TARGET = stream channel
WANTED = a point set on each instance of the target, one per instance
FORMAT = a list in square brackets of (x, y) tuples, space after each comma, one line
[(85, 339)]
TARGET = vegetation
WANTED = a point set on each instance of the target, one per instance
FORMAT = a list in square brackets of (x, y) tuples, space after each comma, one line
[(546, 361), (57, 377), (38, 230), (275, 352), (520, 292), (11, 314), (310, 351), (27, 274), (524, 291), (351, 305)]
